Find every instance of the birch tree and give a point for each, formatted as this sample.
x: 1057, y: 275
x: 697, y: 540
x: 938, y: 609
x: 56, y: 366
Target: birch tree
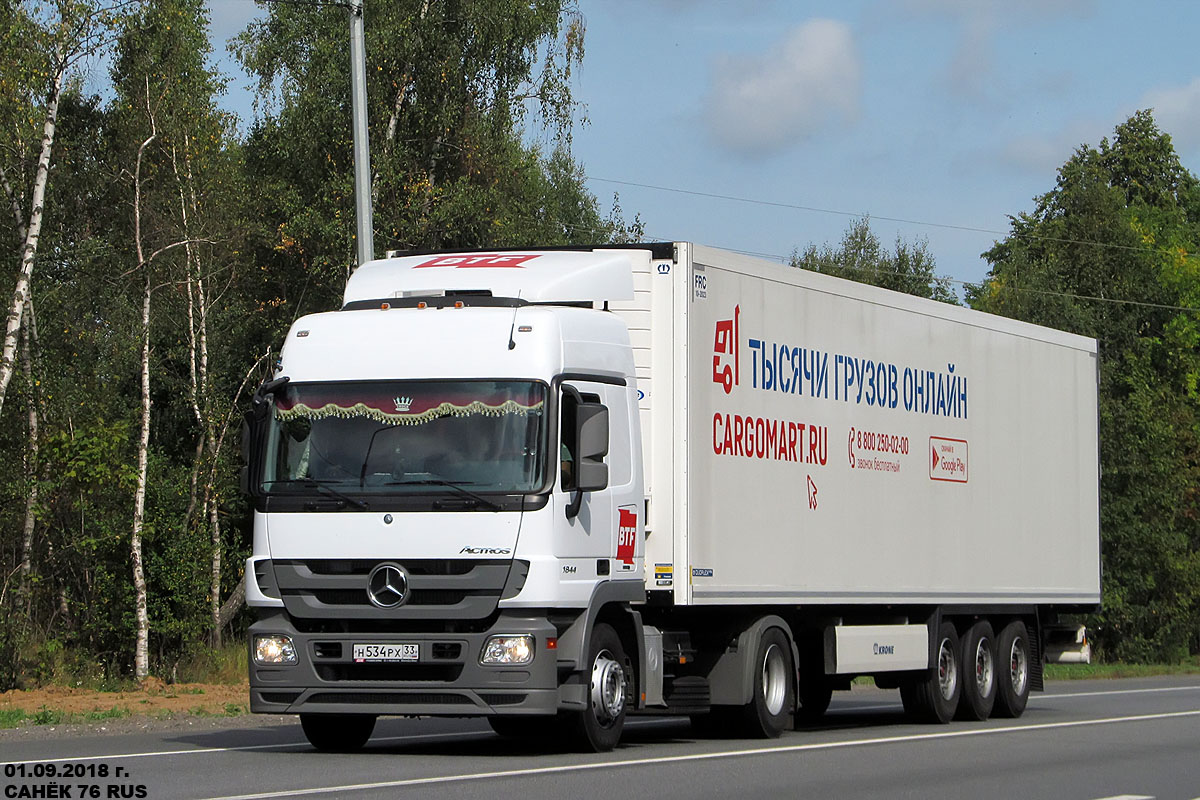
x: 45, y: 41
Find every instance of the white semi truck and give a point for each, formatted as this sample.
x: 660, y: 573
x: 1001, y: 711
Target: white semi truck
x: 558, y: 487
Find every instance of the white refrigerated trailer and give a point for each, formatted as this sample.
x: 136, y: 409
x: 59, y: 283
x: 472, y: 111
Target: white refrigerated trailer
x: 558, y: 487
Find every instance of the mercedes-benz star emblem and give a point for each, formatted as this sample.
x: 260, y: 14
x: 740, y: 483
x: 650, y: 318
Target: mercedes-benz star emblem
x: 387, y: 585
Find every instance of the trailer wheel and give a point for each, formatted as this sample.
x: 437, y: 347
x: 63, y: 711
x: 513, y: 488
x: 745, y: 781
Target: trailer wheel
x: 978, y: 669
x: 1012, y: 690
x: 774, y: 700
x: 598, y: 727
x: 933, y: 696
x: 337, y: 733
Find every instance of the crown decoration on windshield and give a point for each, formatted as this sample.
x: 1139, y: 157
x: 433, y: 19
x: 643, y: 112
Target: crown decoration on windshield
x: 328, y: 410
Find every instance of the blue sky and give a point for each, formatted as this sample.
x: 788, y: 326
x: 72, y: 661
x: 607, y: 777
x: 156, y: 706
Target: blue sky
x: 946, y: 115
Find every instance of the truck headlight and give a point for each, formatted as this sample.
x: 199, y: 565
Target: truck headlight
x: 507, y: 650
x: 274, y: 649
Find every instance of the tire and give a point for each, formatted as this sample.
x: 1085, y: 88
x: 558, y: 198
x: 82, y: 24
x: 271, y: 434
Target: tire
x: 770, y: 709
x: 815, y: 694
x: 597, y: 728
x: 933, y: 696
x: 528, y: 728
x: 337, y: 733
x: 1013, y: 670
x: 978, y: 672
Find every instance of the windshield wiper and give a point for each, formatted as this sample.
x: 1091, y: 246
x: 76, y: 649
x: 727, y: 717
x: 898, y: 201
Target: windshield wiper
x: 455, y: 485
x: 323, y: 486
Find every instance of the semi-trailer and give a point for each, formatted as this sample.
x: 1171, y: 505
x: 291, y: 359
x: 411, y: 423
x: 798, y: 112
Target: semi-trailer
x: 558, y: 487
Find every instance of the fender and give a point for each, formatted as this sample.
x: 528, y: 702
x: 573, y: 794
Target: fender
x: 573, y: 643
x: 731, y: 679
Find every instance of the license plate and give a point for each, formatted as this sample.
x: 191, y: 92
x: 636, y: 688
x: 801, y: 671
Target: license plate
x: 387, y: 652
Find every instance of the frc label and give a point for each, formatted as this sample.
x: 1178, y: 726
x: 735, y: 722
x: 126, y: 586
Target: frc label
x: 948, y: 459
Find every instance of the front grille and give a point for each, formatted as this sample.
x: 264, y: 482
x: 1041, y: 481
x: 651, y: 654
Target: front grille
x: 390, y: 698
x: 425, y: 566
x: 327, y: 649
x: 502, y: 699
x: 357, y: 597
x: 460, y: 589
x: 283, y: 698
x: 389, y: 672
x: 449, y: 650
x: 369, y: 626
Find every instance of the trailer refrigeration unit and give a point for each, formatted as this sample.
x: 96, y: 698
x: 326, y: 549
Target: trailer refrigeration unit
x: 554, y: 488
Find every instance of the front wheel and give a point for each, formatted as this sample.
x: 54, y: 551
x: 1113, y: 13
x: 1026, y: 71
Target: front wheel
x: 598, y: 727
x: 1012, y: 690
x: 337, y: 733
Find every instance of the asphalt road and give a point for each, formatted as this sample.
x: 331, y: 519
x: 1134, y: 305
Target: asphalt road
x: 1082, y: 740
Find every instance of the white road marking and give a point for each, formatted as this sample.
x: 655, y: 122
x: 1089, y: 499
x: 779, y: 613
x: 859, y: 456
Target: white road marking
x: 1058, y: 695
x: 757, y: 751
x: 436, y: 736
x: 1128, y: 797
x: 427, y: 737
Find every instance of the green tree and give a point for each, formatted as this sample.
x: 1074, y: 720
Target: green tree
x: 861, y: 257
x: 1111, y: 252
x: 451, y: 85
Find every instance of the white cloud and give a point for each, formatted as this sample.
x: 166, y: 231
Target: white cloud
x: 763, y: 104
x: 1177, y: 112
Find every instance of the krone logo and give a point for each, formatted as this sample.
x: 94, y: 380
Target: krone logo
x: 387, y: 585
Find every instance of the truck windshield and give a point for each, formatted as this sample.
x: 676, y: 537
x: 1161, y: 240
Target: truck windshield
x: 408, y: 437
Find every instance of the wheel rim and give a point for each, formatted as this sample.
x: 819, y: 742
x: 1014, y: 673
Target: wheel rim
x: 608, y: 688
x: 1018, y: 666
x: 774, y: 680
x: 947, y: 670
x: 985, y: 671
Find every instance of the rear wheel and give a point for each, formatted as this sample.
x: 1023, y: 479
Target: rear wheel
x: 978, y: 669
x: 933, y: 697
x: 337, y: 733
x: 1012, y: 689
x: 767, y: 714
x: 598, y: 727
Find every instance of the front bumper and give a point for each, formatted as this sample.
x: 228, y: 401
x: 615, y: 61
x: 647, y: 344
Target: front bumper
x: 447, y: 680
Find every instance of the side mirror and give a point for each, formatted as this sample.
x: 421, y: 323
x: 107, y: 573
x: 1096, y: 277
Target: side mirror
x: 591, y: 432
x: 254, y: 429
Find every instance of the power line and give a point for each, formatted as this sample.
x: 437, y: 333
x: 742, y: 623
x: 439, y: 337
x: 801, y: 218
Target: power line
x: 864, y: 214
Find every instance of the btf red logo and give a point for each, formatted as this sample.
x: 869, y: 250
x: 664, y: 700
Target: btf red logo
x: 480, y: 261
x: 626, y: 536
x: 726, y: 344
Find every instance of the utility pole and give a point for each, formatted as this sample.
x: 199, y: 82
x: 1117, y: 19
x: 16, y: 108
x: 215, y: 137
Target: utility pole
x: 362, y: 151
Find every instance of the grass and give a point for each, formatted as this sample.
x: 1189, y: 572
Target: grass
x: 1067, y: 672
x: 15, y: 717
x: 229, y: 665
